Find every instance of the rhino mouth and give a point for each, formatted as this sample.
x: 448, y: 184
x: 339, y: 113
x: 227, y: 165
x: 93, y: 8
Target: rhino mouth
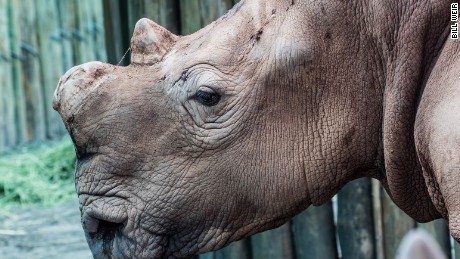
x: 104, y: 234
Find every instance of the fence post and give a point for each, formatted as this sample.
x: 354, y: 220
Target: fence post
x: 99, y: 35
x: 396, y: 225
x: 7, y: 99
x: 212, y: 9
x: 196, y: 14
x: 378, y: 219
x: 3, y: 71
x: 83, y: 49
x: 355, y: 222
x: 136, y: 11
x: 66, y: 27
x: 315, y: 226
x: 163, y: 12
x: 16, y: 60
x: 190, y: 16
x: 50, y: 61
x: 275, y: 243
x: 31, y: 72
x: 239, y: 249
x: 116, y: 31
x: 456, y: 249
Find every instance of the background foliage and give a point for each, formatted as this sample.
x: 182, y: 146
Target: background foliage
x: 37, y: 174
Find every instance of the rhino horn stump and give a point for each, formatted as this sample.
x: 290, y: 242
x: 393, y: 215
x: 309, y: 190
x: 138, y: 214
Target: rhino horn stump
x: 76, y: 85
x: 150, y: 42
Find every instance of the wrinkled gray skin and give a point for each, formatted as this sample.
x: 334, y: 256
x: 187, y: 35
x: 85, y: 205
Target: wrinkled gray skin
x: 313, y: 94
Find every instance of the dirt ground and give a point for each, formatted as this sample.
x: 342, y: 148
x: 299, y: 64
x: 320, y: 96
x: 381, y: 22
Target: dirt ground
x: 43, y: 233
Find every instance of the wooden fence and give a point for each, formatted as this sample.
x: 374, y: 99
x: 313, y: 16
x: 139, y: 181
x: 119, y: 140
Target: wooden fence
x: 41, y: 39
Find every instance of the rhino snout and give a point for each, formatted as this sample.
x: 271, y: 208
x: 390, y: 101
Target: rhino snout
x: 75, y: 86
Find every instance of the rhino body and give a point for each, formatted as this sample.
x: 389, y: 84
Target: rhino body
x: 212, y: 137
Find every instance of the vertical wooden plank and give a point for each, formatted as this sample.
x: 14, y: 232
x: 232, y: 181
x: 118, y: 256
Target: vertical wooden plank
x: 3, y: 99
x: 50, y: 61
x: 196, y: 14
x: 116, y: 30
x: 190, y: 16
x: 2, y: 112
x: 378, y: 219
x: 79, y: 35
x: 355, y: 225
x: 125, y: 35
x: 7, y: 99
x: 136, y: 11
x: 82, y: 33
x: 212, y: 9
x: 87, y: 28
x: 396, y: 225
x: 4, y: 58
x: 440, y: 232
x: 163, y: 12
x: 33, y: 90
x: 240, y: 249
x: 16, y: 60
x: 456, y: 249
x: 210, y: 255
x: 313, y: 233
x: 98, y: 30
x: 67, y: 26
x: 113, y: 37
x: 275, y: 243
x: 153, y: 10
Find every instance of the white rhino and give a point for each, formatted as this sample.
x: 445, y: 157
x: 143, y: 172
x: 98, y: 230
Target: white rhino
x: 209, y: 138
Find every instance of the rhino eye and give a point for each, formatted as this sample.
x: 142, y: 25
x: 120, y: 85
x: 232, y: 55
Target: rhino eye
x: 207, y: 97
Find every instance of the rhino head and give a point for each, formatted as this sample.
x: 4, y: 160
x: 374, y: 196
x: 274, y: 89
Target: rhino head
x: 209, y: 138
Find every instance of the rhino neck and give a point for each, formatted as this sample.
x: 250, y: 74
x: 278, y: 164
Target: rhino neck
x: 410, y: 46
x: 366, y: 121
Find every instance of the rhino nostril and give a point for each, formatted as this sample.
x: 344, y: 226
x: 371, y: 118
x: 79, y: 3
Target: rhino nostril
x: 102, y: 230
x: 108, y: 230
x: 101, y: 235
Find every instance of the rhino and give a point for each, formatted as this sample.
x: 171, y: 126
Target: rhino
x: 212, y: 137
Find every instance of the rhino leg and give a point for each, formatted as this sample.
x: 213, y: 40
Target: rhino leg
x: 437, y: 136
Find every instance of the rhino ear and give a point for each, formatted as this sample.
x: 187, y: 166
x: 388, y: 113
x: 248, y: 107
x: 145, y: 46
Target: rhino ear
x: 150, y: 42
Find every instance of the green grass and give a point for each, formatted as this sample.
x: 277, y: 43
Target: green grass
x: 39, y: 175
